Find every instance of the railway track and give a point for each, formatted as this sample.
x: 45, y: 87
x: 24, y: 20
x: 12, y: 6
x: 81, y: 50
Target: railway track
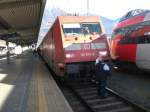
x: 87, y: 93
x: 75, y: 103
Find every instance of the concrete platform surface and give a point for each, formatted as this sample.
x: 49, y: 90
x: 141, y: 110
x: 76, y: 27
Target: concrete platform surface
x: 27, y: 86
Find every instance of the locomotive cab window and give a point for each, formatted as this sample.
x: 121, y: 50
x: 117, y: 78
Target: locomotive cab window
x: 91, y: 28
x: 81, y: 29
x: 71, y: 29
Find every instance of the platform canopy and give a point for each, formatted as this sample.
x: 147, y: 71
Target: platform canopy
x: 20, y: 20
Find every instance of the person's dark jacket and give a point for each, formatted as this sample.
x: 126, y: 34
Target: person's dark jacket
x: 101, y: 74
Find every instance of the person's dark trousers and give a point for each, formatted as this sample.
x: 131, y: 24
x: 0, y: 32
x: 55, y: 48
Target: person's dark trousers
x: 102, y: 88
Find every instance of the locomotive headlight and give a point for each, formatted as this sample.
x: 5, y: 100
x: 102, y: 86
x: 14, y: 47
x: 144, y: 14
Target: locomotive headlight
x: 69, y: 55
x: 61, y: 66
x: 103, y: 53
x: 147, y: 33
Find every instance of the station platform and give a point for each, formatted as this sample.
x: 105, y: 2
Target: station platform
x: 26, y: 85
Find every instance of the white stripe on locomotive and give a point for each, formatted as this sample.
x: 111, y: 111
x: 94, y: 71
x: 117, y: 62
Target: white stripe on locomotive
x: 77, y: 46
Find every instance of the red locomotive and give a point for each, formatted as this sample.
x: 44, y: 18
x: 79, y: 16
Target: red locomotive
x: 73, y: 43
x: 131, y: 39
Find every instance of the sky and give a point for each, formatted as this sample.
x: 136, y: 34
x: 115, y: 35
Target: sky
x: 112, y: 9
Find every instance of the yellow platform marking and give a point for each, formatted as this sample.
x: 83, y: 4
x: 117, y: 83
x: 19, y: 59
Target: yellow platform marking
x: 43, y: 107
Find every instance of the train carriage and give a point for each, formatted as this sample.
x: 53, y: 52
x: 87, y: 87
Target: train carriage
x: 131, y: 39
x: 72, y: 44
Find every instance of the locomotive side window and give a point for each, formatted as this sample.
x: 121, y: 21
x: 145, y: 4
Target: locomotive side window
x: 143, y: 40
x: 118, y: 32
x: 125, y: 40
x: 127, y: 32
x: 135, y: 40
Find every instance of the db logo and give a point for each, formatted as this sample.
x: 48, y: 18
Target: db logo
x: 86, y: 46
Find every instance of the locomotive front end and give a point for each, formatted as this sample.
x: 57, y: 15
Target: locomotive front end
x: 82, y: 43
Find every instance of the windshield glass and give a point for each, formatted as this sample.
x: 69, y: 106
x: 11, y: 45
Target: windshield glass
x: 70, y: 29
x: 91, y: 28
x: 81, y: 29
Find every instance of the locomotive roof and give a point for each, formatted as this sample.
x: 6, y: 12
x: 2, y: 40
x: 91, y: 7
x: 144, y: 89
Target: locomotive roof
x: 133, y: 17
x: 67, y: 19
x: 133, y: 13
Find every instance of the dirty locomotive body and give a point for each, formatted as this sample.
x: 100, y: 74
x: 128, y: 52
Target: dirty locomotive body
x: 72, y: 45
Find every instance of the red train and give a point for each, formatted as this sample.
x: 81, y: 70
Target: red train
x: 131, y: 39
x: 73, y: 43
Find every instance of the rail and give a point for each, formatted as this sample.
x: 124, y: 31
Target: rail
x: 87, y: 93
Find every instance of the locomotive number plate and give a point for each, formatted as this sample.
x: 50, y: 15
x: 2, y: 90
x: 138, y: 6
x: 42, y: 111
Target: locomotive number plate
x: 86, y: 46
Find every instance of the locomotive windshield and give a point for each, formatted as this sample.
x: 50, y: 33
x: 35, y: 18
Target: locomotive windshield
x: 82, y: 28
x: 70, y: 29
x: 91, y: 28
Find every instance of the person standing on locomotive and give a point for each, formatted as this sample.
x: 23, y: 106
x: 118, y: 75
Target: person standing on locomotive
x: 102, y: 73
